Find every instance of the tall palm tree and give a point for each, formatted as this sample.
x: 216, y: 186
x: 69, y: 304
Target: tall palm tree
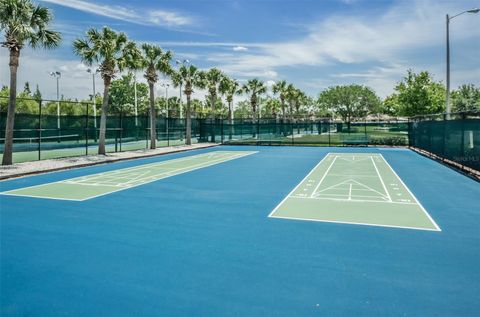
x: 211, y: 81
x: 189, y: 77
x: 292, y: 95
x: 114, y: 52
x: 153, y: 59
x: 22, y: 23
x: 229, y: 88
x: 272, y: 105
x: 254, y: 88
x: 280, y: 87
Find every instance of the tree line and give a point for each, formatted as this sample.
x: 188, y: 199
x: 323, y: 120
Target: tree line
x: 26, y: 24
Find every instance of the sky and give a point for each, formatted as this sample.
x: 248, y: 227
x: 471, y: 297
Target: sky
x: 313, y: 44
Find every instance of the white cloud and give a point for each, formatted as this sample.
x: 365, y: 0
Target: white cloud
x: 270, y: 83
x: 405, y: 34
x: 239, y: 49
x: 169, y: 18
x: 146, y: 17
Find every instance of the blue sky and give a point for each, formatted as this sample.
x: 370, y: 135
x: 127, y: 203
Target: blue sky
x: 312, y: 43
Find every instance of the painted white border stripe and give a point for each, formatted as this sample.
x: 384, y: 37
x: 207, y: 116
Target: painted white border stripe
x: 416, y: 200
x: 298, y: 185
x: 243, y: 154
x: 437, y: 228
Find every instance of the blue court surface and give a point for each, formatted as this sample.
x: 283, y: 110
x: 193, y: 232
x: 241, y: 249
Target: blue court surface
x: 199, y: 241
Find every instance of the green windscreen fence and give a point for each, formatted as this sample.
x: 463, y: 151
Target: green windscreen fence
x: 45, y: 135
x: 456, y: 138
x: 317, y: 132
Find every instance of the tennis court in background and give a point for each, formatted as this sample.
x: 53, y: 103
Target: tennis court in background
x: 189, y: 234
x: 355, y: 188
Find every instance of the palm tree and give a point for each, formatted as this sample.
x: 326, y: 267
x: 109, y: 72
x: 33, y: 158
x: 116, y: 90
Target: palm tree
x: 114, y: 52
x: 254, y: 88
x: 189, y: 77
x: 154, y: 60
x: 22, y: 24
x: 292, y: 95
x: 272, y: 105
x: 229, y: 88
x: 211, y: 81
x: 280, y: 87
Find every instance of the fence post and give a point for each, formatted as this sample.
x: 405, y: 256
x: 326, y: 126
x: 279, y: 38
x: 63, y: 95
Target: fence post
x: 39, y: 130
x: 365, y: 128
x: 146, y: 132
x: 86, y: 130
x: 121, y: 129
x: 222, y: 136
x: 292, y: 132
x: 329, y: 125
x: 463, y: 117
x: 444, y: 135
x: 168, y: 131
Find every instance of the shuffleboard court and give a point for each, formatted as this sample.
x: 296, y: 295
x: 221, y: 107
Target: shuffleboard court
x: 355, y: 188
x: 95, y: 185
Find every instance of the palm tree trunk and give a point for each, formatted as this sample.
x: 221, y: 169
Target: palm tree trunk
x: 103, y: 118
x: 153, y: 118
x: 188, y: 123
x: 8, y: 150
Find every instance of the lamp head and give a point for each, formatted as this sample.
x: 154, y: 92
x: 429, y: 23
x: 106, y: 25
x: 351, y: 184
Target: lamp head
x: 476, y: 10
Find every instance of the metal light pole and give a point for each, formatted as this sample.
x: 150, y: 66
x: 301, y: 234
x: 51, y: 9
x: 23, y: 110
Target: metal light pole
x: 94, y: 99
x: 449, y: 18
x: 165, y: 85
x: 57, y: 76
x: 184, y: 62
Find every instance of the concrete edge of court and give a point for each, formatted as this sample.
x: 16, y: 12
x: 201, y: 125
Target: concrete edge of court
x: 58, y: 164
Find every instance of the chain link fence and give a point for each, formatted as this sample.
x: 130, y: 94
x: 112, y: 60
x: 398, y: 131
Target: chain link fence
x: 64, y: 129
x: 455, y: 138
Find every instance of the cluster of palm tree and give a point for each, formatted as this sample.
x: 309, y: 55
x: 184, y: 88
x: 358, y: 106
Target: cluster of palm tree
x: 23, y: 23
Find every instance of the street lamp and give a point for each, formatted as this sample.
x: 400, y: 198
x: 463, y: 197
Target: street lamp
x: 93, y: 72
x: 184, y: 62
x: 449, y: 18
x: 57, y: 75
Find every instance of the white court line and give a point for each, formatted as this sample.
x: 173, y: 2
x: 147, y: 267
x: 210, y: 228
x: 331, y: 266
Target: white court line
x: 344, y: 182
x: 355, y: 200
x: 158, y: 176
x: 298, y: 185
x: 413, y: 196
x: 324, y: 175
x: 225, y: 160
x: 140, y: 167
x: 353, y: 223
x: 381, y: 179
x: 242, y: 154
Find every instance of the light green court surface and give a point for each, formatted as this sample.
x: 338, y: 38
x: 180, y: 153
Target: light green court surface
x: 91, y: 186
x: 355, y: 188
